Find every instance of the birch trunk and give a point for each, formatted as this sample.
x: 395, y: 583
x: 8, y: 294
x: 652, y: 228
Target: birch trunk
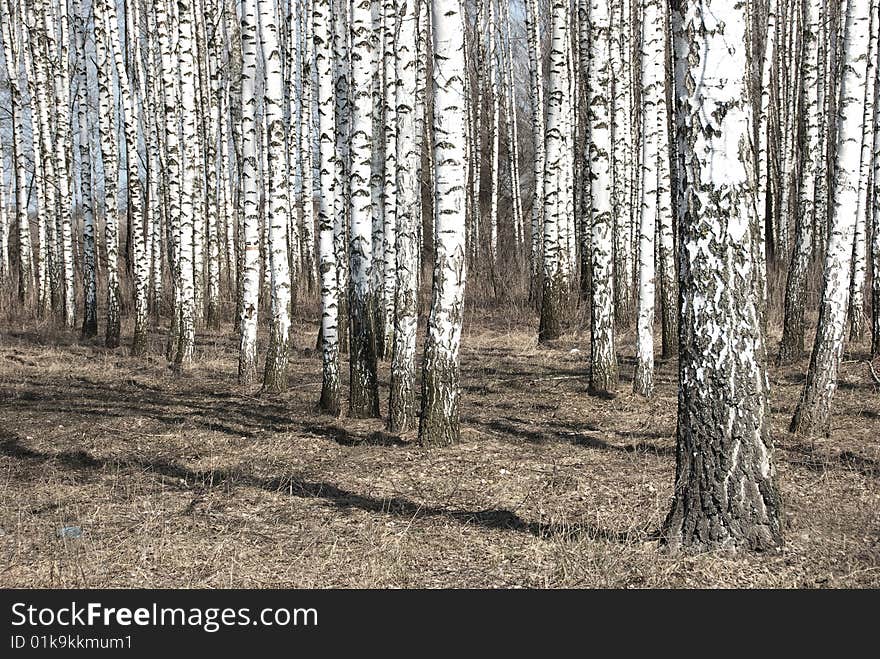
x: 725, y: 497
x: 110, y: 158
x: 10, y: 36
x: 130, y: 121
x: 402, y: 405
x: 275, y: 375
x: 536, y: 82
x: 791, y: 346
x: 860, y: 243
x: 250, y: 288
x: 603, y: 356
x: 324, y: 62
x: 555, y: 283
x: 364, y: 395
x: 653, y: 98
x: 439, y: 424
x: 813, y: 413
x: 90, y: 283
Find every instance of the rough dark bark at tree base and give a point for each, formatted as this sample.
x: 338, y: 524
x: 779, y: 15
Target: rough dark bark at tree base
x: 439, y: 425
x: 552, y: 305
x: 364, y: 391
x: 402, y: 405
x: 89, y: 326
x: 705, y: 516
x: 275, y: 375
x: 139, y: 341
x: 329, y: 401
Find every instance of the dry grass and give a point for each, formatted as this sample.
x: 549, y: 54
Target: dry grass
x: 189, y: 481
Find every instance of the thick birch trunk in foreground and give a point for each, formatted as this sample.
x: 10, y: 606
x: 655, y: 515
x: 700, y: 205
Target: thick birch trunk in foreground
x: 324, y: 62
x: 603, y: 356
x: 250, y: 195
x: 813, y: 413
x: 402, y: 405
x: 725, y: 497
x: 440, y: 380
x: 364, y: 395
x: 275, y: 374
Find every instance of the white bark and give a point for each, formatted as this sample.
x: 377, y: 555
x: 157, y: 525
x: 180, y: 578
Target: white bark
x: 324, y: 61
x: 603, y: 357
x: 536, y: 80
x: 813, y: 413
x: 364, y: 395
x: 110, y: 158
x: 408, y: 161
x: 250, y: 288
x: 859, y: 267
x: 440, y: 381
x: 556, y: 176
x: 275, y: 376
x: 725, y: 497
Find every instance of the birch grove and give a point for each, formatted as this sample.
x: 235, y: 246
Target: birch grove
x: 663, y: 193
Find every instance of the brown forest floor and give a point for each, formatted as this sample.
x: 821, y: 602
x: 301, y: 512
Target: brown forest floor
x: 189, y: 481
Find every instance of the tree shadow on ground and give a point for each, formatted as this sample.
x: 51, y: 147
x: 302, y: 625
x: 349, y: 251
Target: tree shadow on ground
x: 820, y: 462
x: 183, y: 478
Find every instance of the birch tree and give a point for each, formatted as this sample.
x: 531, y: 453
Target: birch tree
x: 860, y: 242
x: 110, y: 160
x: 725, y: 496
x: 364, y: 394
x: 653, y: 96
x: 792, y: 344
x: 555, y: 283
x: 250, y: 286
x: 275, y: 376
x: 603, y: 356
x: 324, y: 62
x: 439, y: 424
x: 10, y: 29
x: 90, y: 283
x: 402, y: 405
x: 813, y: 413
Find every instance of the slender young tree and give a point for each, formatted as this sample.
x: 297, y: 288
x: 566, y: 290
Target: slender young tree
x: 364, y: 394
x: 791, y: 346
x: 875, y: 244
x: 84, y: 113
x: 813, y: 413
x: 725, y: 496
x: 653, y: 96
x: 189, y: 202
x: 555, y: 282
x: 130, y: 121
x: 277, y: 357
x: 603, y: 356
x: 324, y: 62
x: 439, y: 425
x: 250, y: 278
x: 402, y: 405
x: 863, y: 214
x: 10, y: 30
x: 110, y: 159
